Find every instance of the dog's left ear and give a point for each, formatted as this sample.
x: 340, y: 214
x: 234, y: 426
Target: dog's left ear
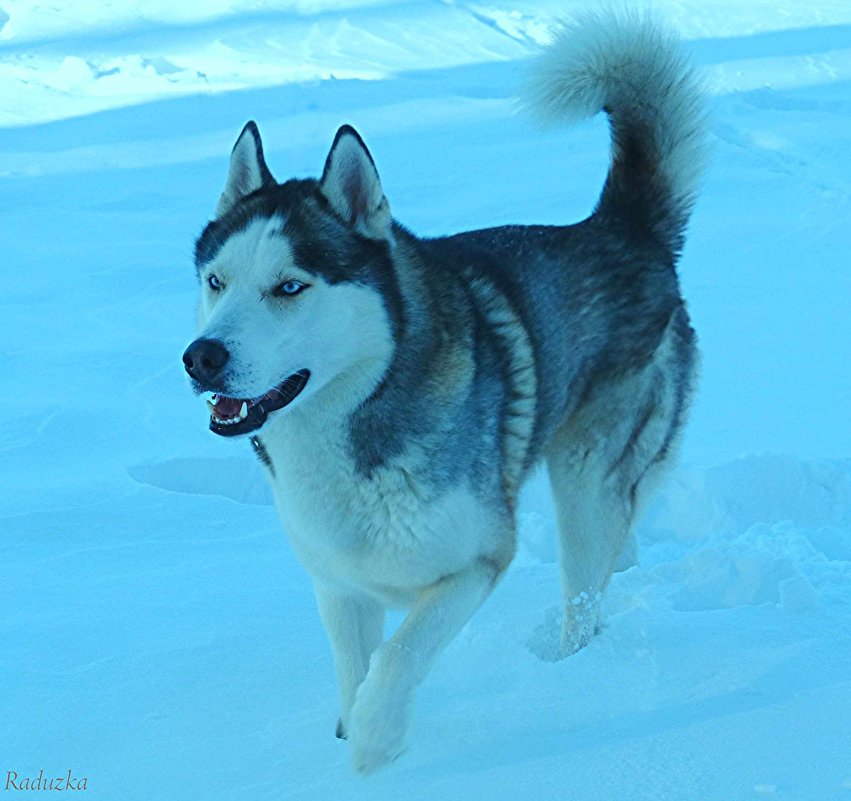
x: 350, y: 184
x: 248, y: 170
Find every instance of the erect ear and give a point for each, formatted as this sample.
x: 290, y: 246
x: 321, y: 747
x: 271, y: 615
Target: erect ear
x: 248, y: 170
x: 350, y: 184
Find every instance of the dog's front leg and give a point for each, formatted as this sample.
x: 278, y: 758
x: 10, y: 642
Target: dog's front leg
x: 355, y: 627
x: 379, y: 719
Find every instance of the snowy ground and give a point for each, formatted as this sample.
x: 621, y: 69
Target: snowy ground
x: 159, y: 637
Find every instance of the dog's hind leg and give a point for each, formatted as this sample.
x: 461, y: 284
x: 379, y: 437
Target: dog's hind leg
x: 593, y: 526
x: 355, y: 627
x: 604, y: 463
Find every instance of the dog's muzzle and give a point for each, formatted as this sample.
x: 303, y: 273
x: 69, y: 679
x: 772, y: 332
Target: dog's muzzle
x: 205, y: 361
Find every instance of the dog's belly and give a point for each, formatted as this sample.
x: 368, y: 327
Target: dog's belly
x: 384, y: 535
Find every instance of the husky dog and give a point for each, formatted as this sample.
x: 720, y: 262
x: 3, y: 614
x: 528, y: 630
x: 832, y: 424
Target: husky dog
x: 399, y: 390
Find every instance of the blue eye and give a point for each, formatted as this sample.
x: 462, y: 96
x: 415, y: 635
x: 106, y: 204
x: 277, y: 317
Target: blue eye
x: 214, y: 283
x: 289, y: 288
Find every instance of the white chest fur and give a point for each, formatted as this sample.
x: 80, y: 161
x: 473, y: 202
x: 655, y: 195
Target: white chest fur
x: 389, y: 534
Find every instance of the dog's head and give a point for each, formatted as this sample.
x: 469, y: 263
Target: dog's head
x: 298, y: 289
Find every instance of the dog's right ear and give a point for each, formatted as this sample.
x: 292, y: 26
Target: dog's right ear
x: 248, y: 170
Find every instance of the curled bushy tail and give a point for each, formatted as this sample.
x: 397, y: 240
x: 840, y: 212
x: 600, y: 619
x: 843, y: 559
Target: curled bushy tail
x: 624, y: 63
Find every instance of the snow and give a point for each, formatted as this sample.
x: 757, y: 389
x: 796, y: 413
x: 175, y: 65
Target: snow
x: 158, y: 635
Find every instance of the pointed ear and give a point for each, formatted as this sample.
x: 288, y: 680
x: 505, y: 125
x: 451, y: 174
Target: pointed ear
x: 350, y: 184
x: 248, y: 170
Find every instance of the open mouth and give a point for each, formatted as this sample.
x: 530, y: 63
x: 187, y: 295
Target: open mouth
x: 231, y: 417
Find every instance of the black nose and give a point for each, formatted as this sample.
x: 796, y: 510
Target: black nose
x: 205, y: 359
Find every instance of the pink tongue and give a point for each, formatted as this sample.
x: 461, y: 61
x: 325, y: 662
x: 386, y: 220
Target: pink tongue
x: 227, y: 407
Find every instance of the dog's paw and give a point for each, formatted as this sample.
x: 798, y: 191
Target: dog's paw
x: 581, y: 622
x: 372, y: 756
x: 376, y: 730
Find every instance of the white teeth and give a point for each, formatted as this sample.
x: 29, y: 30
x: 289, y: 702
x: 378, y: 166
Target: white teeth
x: 243, y: 413
x: 229, y: 422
